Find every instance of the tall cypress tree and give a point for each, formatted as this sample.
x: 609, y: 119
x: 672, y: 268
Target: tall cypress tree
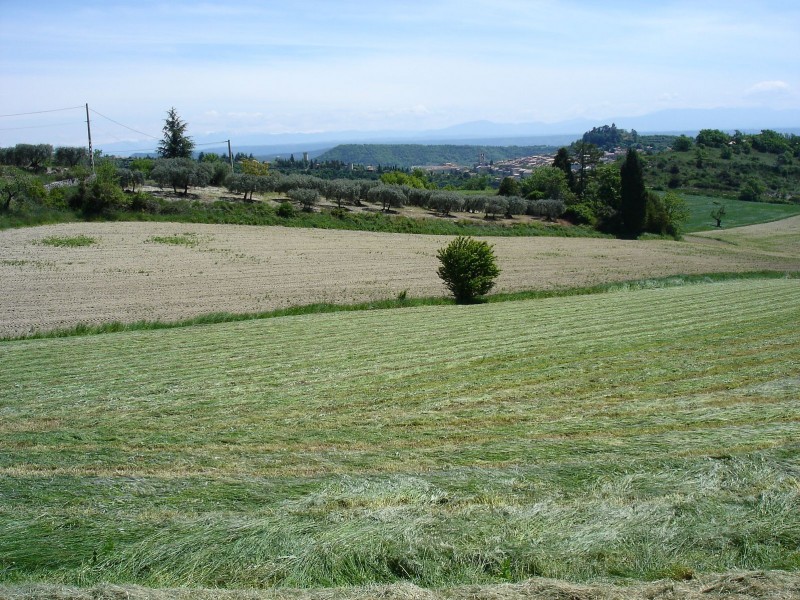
x: 564, y: 162
x: 633, y: 206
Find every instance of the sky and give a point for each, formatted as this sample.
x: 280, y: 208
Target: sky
x: 244, y: 67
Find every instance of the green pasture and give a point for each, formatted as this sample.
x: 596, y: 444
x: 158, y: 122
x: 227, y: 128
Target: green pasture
x: 738, y: 212
x: 634, y: 434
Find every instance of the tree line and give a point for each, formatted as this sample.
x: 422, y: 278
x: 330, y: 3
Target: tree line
x: 577, y: 186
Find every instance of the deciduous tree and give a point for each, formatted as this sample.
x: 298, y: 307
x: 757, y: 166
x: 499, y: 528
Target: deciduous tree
x: 546, y: 183
x: 717, y: 212
x: 587, y: 156
x: 508, y: 187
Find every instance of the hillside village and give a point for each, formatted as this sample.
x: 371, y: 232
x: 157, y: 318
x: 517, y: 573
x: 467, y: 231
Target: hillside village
x: 516, y: 167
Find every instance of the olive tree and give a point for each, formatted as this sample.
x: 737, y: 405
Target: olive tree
x: 70, y: 156
x: 247, y: 184
x: 387, y: 195
x: 445, y: 202
x: 341, y: 191
x: 130, y: 178
x: 495, y: 205
x: 18, y: 186
x: 364, y: 187
x: 307, y: 197
x: 181, y: 173
x: 516, y: 206
x: 290, y: 182
x: 418, y: 196
x: 474, y: 204
x: 32, y: 156
x: 549, y: 209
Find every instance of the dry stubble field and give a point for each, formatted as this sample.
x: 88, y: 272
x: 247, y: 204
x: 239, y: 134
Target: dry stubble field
x: 133, y: 273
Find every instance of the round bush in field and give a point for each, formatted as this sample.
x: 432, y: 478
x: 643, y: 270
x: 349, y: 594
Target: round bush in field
x: 468, y: 268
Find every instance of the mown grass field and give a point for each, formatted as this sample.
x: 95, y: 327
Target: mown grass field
x: 738, y: 213
x: 633, y: 435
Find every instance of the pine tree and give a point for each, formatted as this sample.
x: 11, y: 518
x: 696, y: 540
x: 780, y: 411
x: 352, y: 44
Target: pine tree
x: 633, y: 206
x: 176, y: 144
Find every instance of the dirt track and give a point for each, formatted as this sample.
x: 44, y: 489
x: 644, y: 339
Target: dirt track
x: 127, y: 276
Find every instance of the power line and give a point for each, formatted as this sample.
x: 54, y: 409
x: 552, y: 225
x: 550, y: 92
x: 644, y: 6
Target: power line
x: 122, y: 125
x: 148, y: 150
x: 39, y: 112
x: 37, y: 126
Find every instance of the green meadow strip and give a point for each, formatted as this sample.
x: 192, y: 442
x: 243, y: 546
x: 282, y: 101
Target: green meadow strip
x: 636, y: 435
x: 393, y: 303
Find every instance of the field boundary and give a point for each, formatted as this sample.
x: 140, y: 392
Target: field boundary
x: 213, y: 318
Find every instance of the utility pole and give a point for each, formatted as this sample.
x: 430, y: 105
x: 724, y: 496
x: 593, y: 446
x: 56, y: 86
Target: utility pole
x: 230, y: 155
x: 89, y: 130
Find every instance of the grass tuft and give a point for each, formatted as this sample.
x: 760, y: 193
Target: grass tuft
x: 76, y: 241
x: 189, y: 240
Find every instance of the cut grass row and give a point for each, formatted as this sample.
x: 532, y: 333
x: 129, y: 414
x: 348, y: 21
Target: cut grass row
x: 399, y: 302
x: 636, y: 434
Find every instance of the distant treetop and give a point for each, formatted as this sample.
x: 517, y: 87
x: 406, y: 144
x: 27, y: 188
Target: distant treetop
x: 609, y: 137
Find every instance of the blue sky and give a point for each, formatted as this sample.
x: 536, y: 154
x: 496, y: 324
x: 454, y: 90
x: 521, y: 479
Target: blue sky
x: 283, y: 67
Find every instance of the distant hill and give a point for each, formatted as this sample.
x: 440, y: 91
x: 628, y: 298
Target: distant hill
x: 410, y: 155
x: 487, y: 133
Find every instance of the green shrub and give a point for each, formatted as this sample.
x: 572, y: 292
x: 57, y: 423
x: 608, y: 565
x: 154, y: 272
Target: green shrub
x: 58, y: 197
x: 286, y: 210
x: 752, y: 191
x: 580, y: 214
x: 468, y: 268
x: 100, y: 193
x: 144, y: 202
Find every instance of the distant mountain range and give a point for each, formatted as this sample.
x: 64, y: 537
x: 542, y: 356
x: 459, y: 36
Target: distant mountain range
x: 675, y: 121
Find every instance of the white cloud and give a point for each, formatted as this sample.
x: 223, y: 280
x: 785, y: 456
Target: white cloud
x: 768, y: 87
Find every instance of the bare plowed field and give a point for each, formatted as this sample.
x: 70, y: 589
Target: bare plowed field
x: 166, y: 271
